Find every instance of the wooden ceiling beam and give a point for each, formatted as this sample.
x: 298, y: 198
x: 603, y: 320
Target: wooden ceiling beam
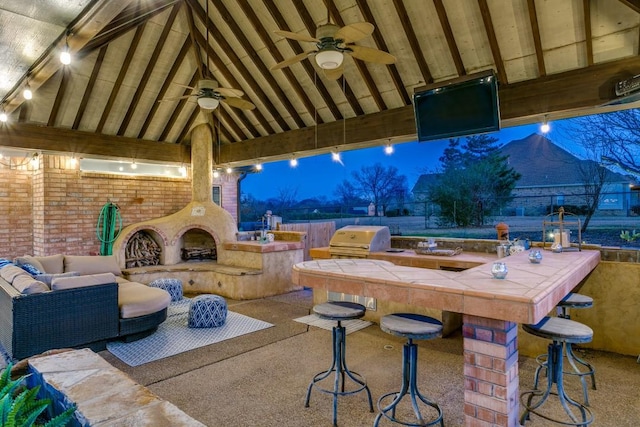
x: 213, y: 56
x: 90, y: 85
x: 179, y: 107
x: 64, y: 81
x: 382, y: 45
x: 537, y: 42
x: 258, y: 63
x: 151, y: 63
x: 186, y: 46
x: 586, y: 7
x: 568, y: 94
x: 632, y: 4
x: 448, y: 35
x: 413, y: 41
x: 273, y: 50
x: 493, y: 41
x: 39, y: 137
x: 306, y: 65
x: 360, y: 65
x: 219, y: 38
x: 89, y: 23
x: 121, y: 75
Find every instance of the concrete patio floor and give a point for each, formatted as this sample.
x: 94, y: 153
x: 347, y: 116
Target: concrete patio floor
x: 260, y: 379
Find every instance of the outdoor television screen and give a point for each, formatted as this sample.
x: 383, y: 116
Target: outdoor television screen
x: 463, y: 107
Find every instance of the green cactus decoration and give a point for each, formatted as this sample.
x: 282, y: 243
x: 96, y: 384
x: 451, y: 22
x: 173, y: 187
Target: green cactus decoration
x: 20, y: 406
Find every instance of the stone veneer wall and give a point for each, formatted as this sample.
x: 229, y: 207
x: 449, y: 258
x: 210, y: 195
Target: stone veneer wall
x: 55, y: 208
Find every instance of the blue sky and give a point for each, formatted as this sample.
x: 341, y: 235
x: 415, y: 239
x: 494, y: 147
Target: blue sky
x: 319, y: 175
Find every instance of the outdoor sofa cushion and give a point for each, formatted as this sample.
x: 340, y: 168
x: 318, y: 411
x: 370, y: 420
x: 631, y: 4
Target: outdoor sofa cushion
x: 89, y: 264
x: 48, y: 278
x: 52, y: 264
x: 21, y: 280
x: 60, y: 283
x: 136, y: 299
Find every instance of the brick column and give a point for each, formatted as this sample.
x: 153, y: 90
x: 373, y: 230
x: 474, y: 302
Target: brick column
x: 491, y: 391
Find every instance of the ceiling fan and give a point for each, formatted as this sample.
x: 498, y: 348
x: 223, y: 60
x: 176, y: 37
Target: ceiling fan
x: 209, y: 95
x: 332, y: 43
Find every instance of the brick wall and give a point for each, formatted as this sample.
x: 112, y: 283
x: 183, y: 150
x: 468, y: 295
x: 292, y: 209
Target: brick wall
x: 55, y: 209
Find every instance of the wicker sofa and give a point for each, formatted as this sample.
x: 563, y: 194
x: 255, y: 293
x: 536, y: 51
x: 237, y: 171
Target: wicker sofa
x: 79, y: 301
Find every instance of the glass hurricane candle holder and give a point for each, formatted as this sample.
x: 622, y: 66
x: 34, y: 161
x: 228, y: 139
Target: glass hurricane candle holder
x: 499, y: 270
x: 535, y: 256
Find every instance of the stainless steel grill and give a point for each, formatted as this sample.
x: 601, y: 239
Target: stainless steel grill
x: 358, y: 241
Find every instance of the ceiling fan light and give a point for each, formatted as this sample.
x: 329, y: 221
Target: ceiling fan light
x: 329, y: 59
x: 207, y: 103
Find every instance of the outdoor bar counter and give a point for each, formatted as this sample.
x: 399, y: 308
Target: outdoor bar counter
x: 491, y: 308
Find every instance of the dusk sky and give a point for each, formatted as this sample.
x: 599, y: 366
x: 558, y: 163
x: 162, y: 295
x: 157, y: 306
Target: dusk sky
x: 319, y: 175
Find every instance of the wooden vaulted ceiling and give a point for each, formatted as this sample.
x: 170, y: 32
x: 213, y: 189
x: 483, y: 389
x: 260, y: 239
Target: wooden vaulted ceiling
x: 552, y: 58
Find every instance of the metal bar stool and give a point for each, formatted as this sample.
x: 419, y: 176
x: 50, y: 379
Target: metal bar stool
x: 572, y: 300
x: 561, y: 331
x: 339, y: 311
x: 410, y: 326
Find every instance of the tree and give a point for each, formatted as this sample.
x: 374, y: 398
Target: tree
x: 379, y: 184
x: 475, y: 180
x: 347, y: 194
x: 614, y: 137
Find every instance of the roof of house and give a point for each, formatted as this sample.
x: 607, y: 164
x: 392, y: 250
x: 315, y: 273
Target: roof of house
x: 540, y: 162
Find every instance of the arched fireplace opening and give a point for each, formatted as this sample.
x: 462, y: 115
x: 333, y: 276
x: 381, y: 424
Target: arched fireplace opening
x: 198, y: 244
x: 142, y: 250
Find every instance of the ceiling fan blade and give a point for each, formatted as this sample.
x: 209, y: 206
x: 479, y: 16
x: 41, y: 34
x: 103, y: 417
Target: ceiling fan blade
x: 229, y: 92
x: 296, y: 36
x: 371, y: 55
x: 181, y: 85
x: 333, y: 74
x: 292, y: 60
x: 354, y: 32
x: 238, y: 103
x: 175, y: 98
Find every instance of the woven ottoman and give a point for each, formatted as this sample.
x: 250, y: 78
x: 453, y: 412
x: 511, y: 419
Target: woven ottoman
x: 173, y: 286
x: 207, y: 311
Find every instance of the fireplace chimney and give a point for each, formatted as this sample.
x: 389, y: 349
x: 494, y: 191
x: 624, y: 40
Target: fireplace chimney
x: 201, y: 164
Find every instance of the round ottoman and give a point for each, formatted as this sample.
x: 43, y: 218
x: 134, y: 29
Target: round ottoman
x: 207, y: 311
x: 173, y: 286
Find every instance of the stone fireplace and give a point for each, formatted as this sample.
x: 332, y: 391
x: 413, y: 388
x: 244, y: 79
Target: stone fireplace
x: 199, y: 243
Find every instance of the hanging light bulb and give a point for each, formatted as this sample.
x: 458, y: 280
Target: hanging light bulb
x: 388, y: 149
x: 229, y: 170
x: 544, y: 127
x: 134, y: 165
x: 216, y: 174
x: 182, y: 170
x: 35, y: 161
x: 293, y: 162
x: 258, y: 166
x: 27, y: 91
x: 3, y: 116
x: 73, y: 161
x: 335, y: 156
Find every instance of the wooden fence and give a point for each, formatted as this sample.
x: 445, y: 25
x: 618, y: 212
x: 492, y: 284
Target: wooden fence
x: 318, y: 234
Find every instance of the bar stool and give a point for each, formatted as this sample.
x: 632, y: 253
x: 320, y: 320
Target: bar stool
x: 418, y: 327
x: 339, y: 311
x: 575, y: 300
x: 560, y: 331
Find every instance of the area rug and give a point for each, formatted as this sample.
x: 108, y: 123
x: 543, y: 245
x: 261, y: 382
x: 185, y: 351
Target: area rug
x: 174, y: 337
x: 349, y: 325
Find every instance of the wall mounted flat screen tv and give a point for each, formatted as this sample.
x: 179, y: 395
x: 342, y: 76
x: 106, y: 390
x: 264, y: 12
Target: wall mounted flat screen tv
x: 464, y: 106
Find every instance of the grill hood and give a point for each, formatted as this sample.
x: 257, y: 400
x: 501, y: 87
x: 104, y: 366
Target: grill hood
x: 357, y: 241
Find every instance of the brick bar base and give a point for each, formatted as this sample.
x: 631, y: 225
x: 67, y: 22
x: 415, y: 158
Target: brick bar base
x: 491, y: 389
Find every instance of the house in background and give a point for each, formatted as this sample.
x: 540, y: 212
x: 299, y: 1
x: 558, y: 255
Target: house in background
x: 551, y: 177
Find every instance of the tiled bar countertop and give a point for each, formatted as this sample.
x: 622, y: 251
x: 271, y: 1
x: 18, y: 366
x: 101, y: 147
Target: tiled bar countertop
x: 492, y: 309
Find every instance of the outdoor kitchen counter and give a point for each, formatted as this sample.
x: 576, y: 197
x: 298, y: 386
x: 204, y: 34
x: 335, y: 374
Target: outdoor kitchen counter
x: 492, y: 309
x: 410, y: 258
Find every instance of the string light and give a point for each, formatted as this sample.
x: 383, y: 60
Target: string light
x: 229, y: 170
x: 27, y: 91
x: 335, y: 156
x: 258, y: 167
x: 293, y: 162
x: 388, y: 149
x: 544, y: 127
x: 3, y: 116
x: 216, y: 174
x: 65, y: 54
x: 73, y: 161
x: 134, y: 165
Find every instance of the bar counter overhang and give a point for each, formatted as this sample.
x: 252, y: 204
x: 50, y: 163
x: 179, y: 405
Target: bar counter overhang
x: 491, y: 308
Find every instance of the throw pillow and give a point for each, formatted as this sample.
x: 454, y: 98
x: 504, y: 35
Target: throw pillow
x: 30, y: 268
x: 28, y: 285
x: 53, y: 264
x: 4, y: 262
x: 10, y: 272
x: 48, y: 278
x: 27, y: 259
